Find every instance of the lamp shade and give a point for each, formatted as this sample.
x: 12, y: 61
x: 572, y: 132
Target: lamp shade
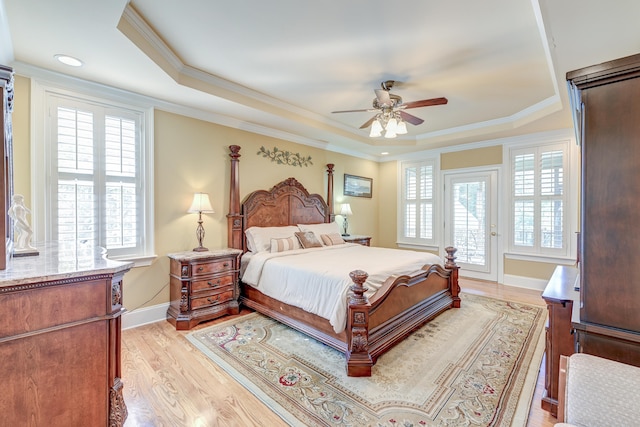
x: 201, y: 203
x: 345, y: 209
x: 376, y: 129
x: 401, y: 129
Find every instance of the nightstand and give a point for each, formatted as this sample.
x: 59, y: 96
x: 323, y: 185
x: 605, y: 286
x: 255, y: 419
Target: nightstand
x: 355, y: 238
x: 204, y: 286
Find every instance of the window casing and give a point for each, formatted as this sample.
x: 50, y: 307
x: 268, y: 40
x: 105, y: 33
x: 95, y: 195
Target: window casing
x: 417, y: 203
x: 97, y: 181
x: 539, y: 200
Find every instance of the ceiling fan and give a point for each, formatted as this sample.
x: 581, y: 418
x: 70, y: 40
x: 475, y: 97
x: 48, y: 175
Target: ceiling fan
x: 390, y: 115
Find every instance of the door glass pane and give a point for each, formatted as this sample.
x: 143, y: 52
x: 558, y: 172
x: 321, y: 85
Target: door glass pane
x: 470, y: 222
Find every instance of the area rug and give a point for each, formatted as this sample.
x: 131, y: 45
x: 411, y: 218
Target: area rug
x: 473, y: 366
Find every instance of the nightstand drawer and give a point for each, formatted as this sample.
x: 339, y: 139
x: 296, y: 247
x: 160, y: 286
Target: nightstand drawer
x: 217, y: 266
x: 211, y: 283
x: 210, y: 300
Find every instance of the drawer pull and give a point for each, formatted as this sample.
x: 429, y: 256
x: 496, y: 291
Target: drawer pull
x: 210, y: 283
x: 212, y: 300
x: 226, y: 264
x: 200, y: 269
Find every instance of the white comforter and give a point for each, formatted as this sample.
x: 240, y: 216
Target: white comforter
x: 317, y: 279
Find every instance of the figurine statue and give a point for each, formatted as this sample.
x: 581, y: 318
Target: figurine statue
x: 18, y: 213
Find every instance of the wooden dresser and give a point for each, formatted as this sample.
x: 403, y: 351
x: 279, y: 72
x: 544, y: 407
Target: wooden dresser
x: 204, y: 285
x: 607, y: 114
x: 560, y: 297
x: 60, y: 340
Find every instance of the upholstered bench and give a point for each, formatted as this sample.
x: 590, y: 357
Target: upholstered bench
x: 597, y: 392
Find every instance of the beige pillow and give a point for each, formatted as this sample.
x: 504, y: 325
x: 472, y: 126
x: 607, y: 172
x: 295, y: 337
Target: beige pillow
x: 332, y: 239
x: 320, y: 229
x: 308, y: 239
x: 285, y: 244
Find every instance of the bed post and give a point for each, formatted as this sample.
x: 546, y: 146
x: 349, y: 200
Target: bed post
x: 332, y: 216
x: 359, y: 360
x: 234, y: 218
x: 450, y: 264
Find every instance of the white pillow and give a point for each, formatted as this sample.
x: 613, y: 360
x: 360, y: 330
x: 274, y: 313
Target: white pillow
x: 259, y: 238
x: 320, y: 229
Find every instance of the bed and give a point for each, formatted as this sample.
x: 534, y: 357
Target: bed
x: 374, y: 309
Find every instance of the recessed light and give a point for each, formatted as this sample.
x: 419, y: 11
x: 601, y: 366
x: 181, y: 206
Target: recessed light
x: 69, y: 60
x: 384, y: 153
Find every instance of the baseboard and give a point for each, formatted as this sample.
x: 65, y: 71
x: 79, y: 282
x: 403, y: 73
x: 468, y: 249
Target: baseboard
x: 145, y: 315
x: 525, y: 282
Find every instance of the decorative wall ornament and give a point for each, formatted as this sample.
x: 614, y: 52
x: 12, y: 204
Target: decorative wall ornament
x: 285, y: 157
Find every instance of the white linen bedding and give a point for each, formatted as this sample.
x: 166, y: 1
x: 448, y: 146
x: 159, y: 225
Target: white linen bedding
x: 317, y: 279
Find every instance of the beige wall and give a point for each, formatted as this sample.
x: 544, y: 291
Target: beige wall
x: 192, y: 155
x: 471, y: 158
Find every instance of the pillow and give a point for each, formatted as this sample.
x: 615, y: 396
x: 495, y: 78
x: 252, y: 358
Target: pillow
x: 259, y: 238
x: 308, y: 239
x: 284, y: 244
x: 320, y: 229
x: 332, y: 239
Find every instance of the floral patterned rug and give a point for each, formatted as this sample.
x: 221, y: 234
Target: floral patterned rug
x: 473, y: 366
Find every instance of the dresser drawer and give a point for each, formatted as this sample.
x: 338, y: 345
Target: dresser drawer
x: 217, y: 266
x: 211, y: 283
x: 210, y: 300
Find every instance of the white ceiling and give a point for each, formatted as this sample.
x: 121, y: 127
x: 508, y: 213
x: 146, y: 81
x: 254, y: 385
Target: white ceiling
x: 281, y: 67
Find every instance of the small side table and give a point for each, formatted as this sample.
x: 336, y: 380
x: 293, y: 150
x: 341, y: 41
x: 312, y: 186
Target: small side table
x: 355, y: 238
x: 204, y: 286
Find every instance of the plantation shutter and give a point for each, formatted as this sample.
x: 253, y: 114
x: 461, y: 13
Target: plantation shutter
x: 97, y: 174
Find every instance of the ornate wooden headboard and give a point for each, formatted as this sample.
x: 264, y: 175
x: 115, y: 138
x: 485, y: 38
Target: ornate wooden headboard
x: 287, y: 203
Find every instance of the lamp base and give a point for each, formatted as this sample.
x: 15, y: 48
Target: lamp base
x: 346, y: 235
x: 200, y: 249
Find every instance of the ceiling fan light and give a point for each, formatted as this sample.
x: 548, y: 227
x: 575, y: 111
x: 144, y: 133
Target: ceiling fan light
x: 390, y: 133
x: 392, y: 125
x: 401, y: 129
x: 376, y: 129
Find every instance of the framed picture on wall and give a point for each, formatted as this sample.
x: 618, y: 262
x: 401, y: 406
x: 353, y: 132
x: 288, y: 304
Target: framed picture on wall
x: 357, y: 186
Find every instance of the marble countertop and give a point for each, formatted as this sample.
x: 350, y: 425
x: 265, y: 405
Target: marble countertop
x: 54, y: 262
x: 193, y: 255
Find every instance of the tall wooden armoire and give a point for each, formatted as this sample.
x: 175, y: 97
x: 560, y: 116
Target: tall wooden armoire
x: 606, y: 100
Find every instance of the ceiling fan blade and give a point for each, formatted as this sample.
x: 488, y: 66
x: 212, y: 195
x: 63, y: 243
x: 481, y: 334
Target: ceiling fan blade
x: 352, y: 111
x: 383, y: 97
x: 410, y: 118
x: 425, y: 103
x: 368, y: 122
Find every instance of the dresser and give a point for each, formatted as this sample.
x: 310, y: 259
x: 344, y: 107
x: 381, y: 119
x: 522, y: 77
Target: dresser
x: 204, y: 286
x: 355, y: 238
x: 606, y: 98
x: 60, y: 339
x: 561, y: 297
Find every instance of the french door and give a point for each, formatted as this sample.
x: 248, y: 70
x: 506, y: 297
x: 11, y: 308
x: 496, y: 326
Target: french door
x: 471, y: 222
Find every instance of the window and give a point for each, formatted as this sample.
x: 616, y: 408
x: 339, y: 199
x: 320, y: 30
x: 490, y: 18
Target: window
x: 539, y: 200
x: 97, y: 192
x: 417, y: 203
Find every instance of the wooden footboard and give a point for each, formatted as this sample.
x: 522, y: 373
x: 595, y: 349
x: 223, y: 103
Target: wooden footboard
x: 403, y: 304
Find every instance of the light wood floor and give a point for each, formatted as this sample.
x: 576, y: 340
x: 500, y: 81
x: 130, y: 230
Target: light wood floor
x: 169, y: 383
